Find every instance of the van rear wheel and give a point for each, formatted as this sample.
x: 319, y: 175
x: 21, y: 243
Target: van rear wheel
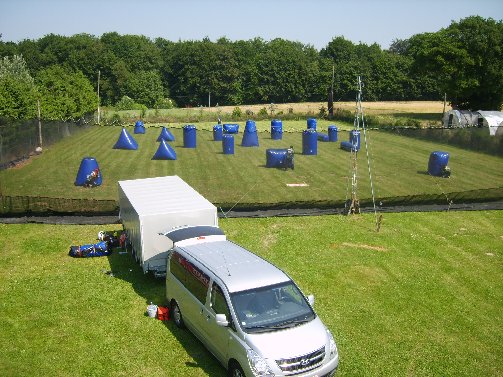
x: 177, y: 315
x: 235, y: 370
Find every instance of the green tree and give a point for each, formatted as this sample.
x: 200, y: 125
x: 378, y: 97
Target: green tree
x: 17, y: 89
x: 466, y: 60
x: 65, y: 93
x: 144, y: 87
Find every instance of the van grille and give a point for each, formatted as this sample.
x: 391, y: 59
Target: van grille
x: 303, y: 363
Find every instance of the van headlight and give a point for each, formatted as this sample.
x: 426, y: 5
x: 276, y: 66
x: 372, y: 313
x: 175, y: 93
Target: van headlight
x: 332, y: 345
x: 258, y: 364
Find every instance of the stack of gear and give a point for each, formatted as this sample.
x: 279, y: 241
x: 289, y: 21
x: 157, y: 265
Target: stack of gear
x: 99, y: 249
x: 108, y: 240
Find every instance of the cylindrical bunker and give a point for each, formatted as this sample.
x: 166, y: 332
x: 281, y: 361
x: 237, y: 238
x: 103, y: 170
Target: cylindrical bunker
x: 332, y: 133
x: 311, y: 123
x: 354, y: 138
x: 217, y: 132
x: 310, y: 142
x: 276, y: 129
x: 139, y: 127
x: 189, y: 136
x: 228, y: 143
x: 437, y: 163
x: 231, y: 128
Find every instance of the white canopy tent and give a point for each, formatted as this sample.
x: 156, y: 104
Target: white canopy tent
x: 493, y: 120
x: 460, y: 118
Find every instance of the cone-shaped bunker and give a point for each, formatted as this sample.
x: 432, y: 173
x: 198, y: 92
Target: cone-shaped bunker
x: 89, y: 174
x: 164, y: 152
x: 126, y: 141
x: 165, y: 135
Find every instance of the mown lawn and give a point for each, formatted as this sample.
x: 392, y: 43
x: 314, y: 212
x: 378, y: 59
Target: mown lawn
x: 398, y: 166
x: 423, y: 297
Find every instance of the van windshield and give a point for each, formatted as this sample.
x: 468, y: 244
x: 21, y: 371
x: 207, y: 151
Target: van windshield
x: 273, y: 307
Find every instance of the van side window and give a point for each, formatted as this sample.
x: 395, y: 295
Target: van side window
x: 218, y: 303
x: 192, y: 278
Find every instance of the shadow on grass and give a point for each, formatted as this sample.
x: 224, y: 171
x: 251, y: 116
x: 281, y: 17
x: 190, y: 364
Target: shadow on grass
x: 151, y: 289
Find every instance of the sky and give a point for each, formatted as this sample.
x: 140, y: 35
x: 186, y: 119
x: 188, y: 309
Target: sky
x: 312, y: 22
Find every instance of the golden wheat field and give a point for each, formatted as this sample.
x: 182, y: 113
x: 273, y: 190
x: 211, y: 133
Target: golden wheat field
x: 385, y: 107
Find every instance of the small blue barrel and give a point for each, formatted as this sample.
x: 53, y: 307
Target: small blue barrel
x: 139, y: 127
x: 311, y: 123
x: 89, y: 173
x: 354, y: 138
x: 189, y: 136
x: 228, y: 144
x: 276, y: 129
x: 250, y: 126
x: 310, y: 142
x: 217, y: 132
x: 332, y: 133
x: 231, y: 128
x: 437, y: 162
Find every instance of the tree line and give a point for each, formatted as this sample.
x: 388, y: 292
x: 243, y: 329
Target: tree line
x: 64, y: 73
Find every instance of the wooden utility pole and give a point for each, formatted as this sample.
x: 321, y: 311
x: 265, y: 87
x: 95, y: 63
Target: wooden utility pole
x: 39, y: 124
x: 99, y: 74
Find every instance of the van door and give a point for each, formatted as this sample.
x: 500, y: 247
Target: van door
x: 217, y: 337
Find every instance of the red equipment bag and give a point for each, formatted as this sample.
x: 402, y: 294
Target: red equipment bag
x: 163, y: 313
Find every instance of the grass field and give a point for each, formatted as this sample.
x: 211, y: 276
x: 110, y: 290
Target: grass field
x: 399, y: 168
x: 423, y: 297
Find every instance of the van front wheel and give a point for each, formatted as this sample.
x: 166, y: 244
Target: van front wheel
x: 235, y: 370
x: 177, y: 315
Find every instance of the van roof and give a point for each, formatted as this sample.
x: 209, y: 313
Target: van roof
x: 238, y: 268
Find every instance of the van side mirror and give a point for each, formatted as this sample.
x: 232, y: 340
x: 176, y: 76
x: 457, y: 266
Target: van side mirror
x: 221, y: 320
x: 310, y: 299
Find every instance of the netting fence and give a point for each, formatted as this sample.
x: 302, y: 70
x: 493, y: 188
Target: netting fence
x: 19, y: 139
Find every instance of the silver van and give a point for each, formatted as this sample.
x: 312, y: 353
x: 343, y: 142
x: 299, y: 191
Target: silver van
x: 249, y: 314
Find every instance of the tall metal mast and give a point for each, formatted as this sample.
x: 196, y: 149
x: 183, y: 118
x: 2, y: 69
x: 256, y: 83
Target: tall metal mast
x: 354, y: 203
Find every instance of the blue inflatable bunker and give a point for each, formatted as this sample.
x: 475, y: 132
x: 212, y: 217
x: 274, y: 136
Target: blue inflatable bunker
x: 322, y: 137
x: 332, y: 133
x: 279, y: 158
x: 165, y: 135
x: 126, y: 141
x: 250, y: 136
x: 310, y: 142
x: 231, y: 128
x: 164, y: 152
x: 353, y: 143
x: 228, y: 144
x: 89, y: 174
x: 217, y: 132
x: 139, y: 127
x: 311, y: 123
x: 276, y: 129
x: 437, y: 164
x: 189, y: 136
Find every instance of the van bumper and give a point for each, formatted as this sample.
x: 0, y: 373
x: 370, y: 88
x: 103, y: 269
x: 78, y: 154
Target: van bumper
x: 326, y: 370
